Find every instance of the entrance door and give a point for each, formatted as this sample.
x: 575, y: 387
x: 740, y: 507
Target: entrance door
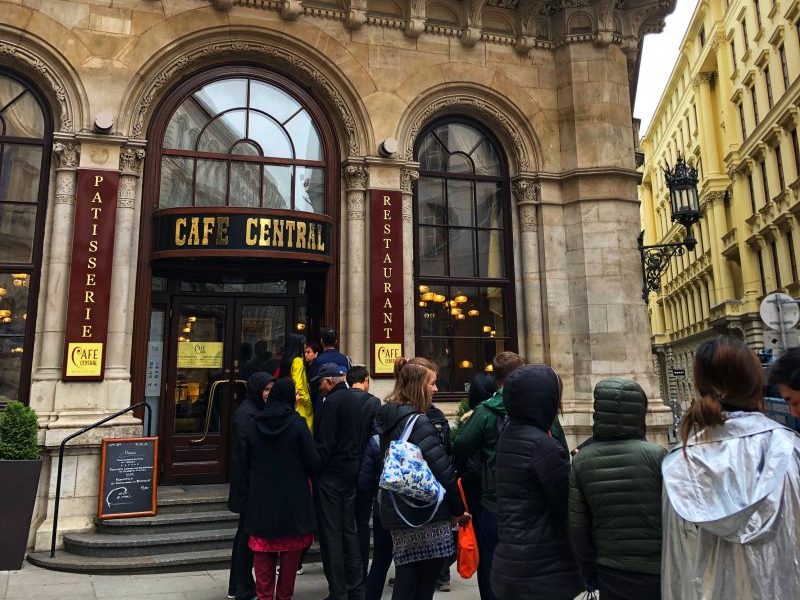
x: 217, y: 342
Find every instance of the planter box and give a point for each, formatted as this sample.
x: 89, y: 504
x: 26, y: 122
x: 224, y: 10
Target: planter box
x: 20, y: 479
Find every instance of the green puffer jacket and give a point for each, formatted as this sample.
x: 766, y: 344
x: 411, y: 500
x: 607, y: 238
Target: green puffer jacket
x: 615, y: 486
x: 479, y: 434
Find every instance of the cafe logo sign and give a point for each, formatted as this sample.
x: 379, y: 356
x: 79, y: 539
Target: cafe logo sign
x: 90, y: 275
x: 386, y: 280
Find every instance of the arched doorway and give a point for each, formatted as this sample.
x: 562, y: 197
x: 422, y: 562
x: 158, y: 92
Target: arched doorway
x: 238, y: 249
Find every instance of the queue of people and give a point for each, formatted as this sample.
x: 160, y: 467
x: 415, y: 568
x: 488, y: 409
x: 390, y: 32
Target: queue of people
x: 716, y: 517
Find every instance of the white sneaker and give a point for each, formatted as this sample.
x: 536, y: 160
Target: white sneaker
x: 301, y: 570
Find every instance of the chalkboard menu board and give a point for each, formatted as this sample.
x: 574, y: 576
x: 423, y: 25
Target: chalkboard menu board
x: 128, y: 478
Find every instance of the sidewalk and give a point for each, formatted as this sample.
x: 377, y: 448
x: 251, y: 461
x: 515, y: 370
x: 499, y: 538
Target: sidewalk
x: 34, y: 583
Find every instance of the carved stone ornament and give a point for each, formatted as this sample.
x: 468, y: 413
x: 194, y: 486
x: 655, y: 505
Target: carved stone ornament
x: 67, y: 154
x: 223, y: 5
x: 355, y: 205
x: 527, y: 217
x: 48, y: 74
x: 355, y: 177
x: 126, y: 196
x: 407, y: 179
x: 701, y: 78
x: 491, y: 112
x: 526, y: 190
x: 177, y: 67
x: 130, y: 160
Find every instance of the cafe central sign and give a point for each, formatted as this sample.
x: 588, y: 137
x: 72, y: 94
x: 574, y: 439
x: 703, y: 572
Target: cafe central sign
x: 90, y: 275
x: 386, y: 280
x: 238, y: 232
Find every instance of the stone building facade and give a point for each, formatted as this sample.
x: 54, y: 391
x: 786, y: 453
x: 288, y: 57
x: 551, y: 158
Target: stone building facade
x: 248, y: 139
x: 730, y: 108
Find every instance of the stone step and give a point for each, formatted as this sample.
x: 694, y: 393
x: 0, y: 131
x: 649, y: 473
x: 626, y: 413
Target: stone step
x: 183, y: 499
x: 169, y: 523
x: 143, y: 544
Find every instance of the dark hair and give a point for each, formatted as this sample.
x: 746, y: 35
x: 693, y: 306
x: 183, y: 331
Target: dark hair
x: 786, y: 369
x: 295, y: 347
x: 315, y: 346
x: 728, y: 376
x: 328, y: 336
x: 283, y: 391
x: 357, y: 374
x: 506, y: 363
x: 481, y: 388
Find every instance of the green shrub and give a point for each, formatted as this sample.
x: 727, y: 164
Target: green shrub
x: 463, y: 408
x: 18, y: 429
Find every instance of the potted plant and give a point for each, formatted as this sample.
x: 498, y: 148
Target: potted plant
x: 19, y: 473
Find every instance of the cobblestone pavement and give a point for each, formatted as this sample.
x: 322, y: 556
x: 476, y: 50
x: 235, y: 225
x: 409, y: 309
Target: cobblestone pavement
x: 34, y: 583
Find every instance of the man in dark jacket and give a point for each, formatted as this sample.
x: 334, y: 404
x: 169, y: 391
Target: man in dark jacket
x: 615, y: 497
x: 329, y: 352
x: 533, y: 559
x: 340, y: 443
x: 240, y: 582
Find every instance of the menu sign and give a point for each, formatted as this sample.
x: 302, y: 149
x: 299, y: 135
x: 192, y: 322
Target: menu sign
x: 90, y: 275
x: 128, y: 478
x: 386, y: 280
x: 200, y: 355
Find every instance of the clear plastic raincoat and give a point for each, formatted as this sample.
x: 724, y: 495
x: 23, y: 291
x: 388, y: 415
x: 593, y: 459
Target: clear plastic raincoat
x: 732, y: 513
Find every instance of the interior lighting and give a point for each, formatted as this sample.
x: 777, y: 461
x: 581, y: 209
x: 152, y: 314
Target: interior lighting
x: 300, y: 327
x: 439, y: 298
x: 424, y: 289
x: 487, y: 328
x: 461, y: 298
x: 465, y: 364
x: 473, y: 312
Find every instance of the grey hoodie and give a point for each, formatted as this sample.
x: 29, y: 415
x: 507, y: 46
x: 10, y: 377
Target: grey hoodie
x: 732, y: 513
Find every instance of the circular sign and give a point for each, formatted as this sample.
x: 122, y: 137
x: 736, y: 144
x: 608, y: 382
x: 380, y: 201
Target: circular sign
x: 779, y: 307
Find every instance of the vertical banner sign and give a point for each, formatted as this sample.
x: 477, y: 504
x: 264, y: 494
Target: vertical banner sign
x: 90, y: 275
x: 386, y: 280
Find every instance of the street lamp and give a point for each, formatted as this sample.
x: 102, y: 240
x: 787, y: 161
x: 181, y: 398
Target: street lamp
x: 682, y: 184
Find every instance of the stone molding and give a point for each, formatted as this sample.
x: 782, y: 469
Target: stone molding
x: 489, y: 111
x: 177, y: 67
x: 66, y: 156
x: 407, y: 178
x: 527, y: 193
x: 130, y: 160
x: 356, y: 180
x: 30, y: 60
x: 703, y: 77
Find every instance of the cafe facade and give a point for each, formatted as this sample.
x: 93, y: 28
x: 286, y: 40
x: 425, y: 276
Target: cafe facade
x: 184, y: 184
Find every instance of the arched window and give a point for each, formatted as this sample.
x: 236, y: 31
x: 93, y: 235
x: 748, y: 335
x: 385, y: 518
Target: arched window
x: 242, y: 142
x: 463, y: 261
x: 25, y: 132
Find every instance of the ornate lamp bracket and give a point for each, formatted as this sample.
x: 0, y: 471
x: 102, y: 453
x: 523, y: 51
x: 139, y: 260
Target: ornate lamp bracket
x: 655, y: 260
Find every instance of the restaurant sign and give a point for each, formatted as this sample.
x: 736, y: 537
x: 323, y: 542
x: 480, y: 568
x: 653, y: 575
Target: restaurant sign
x: 386, y: 280
x: 90, y: 275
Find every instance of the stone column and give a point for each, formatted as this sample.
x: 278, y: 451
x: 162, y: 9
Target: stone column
x: 408, y: 175
x: 119, y: 338
x: 708, y: 145
x: 527, y: 193
x: 354, y: 338
x: 49, y: 346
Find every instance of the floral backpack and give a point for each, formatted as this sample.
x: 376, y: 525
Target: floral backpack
x: 408, y: 476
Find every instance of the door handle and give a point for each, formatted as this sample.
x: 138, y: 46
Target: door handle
x: 211, y: 396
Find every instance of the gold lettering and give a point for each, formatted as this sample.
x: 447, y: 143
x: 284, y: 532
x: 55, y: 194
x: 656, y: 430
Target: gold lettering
x: 320, y: 241
x: 388, y: 303
x: 97, y: 180
x: 387, y: 272
x: 251, y: 239
x: 387, y: 229
x: 92, y: 245
x: 90, y: 279
x: 180, y: 235
x: 87, y: 331
x: 387, y: 318
x: 97, y: 199
x: 88, y: 313
x: 263, y: 238
x: 387, y: 287
x: 387, y: 201
x: 208, y: 228
x: 94, y: 228
x: 387, y: 215
x: 312, y: 236
x: 222, y: 230
x: 194, y: 232
x: 301, y: 235
x: 388, y: 331
x: 277, y: 233
x: 387, y: 259
x: 92, y: 262
x: 88, y: 296
x: 96, y: 210
x: 386, y: 242
x: 290, y: 225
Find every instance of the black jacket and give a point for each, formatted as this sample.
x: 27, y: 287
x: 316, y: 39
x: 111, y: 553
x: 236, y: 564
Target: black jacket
x: 369, y: 406
x: 340, y: 439
x: 251, y: 406
x: 280, y: 458
x: 533, y: 559
x: 391, y: 420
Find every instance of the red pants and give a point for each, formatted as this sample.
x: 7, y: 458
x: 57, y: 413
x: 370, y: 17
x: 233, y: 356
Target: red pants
x: 265, y: 563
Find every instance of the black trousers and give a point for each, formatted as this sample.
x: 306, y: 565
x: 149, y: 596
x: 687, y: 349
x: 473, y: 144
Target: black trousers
x: 615, y: 584
x: 382, y: 548
x: 417, y: 580
x: 240, y: 581
x: 338, y: 539
x: 363, y: 513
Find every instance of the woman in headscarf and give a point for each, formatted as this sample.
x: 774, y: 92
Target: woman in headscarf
x: 280, y: 458
x: 293, y: 366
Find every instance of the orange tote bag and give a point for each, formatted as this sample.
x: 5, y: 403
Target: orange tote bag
x: 467, y: 552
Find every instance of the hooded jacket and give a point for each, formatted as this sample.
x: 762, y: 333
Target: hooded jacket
x: 279, y: 458
x: 533, y: 558
x: 615, y: 486
x: 251, y: 406
x: 390, y: 421
x: 732, y: 513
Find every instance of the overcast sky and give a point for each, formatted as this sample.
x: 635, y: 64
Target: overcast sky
x: 658, y: 58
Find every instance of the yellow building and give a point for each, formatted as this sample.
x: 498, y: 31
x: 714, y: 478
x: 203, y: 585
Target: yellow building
x: 730, y: 108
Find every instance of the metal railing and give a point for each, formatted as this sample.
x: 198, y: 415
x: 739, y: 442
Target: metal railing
x: 61, y: 459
